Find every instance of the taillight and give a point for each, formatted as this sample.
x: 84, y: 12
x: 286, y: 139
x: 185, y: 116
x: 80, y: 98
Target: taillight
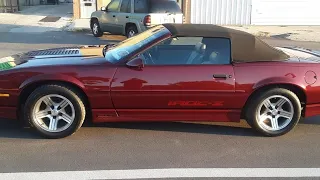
x: 147, y: 20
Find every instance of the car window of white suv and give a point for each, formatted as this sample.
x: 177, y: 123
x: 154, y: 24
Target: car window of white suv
x: 125, y: 6
x: 140, y: 6
x: 113, y: 6
x: 164, y: 6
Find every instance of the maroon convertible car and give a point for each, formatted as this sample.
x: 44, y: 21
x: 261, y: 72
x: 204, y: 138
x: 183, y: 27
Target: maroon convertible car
x: 171, y: 72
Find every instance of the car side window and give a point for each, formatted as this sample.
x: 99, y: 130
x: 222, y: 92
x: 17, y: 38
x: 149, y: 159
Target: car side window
x: 113, y: 6
x: 125, y: 6
x: 189, y: 51
x: 140, y: 6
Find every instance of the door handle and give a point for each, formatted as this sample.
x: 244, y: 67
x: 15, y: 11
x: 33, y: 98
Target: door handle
x: 127, y: 16
x: 114, y: 16
x: 222, y: 76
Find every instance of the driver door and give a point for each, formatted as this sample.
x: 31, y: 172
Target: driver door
x: 170, y: 88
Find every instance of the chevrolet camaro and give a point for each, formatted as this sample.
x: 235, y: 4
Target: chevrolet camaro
x: 171, y: 72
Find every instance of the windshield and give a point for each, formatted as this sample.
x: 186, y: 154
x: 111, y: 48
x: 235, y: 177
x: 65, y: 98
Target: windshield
x: 131, y: 45
x: 163, y: 6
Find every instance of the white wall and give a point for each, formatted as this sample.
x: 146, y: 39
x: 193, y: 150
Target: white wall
x: 285, y: 12
x: 221, y: 12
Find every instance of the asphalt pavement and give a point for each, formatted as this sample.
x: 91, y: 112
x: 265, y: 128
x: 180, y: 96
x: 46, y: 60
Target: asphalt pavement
x: 128, y: 146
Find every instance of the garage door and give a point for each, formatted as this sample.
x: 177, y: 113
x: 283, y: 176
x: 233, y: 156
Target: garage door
x: 221, y: 12
x: 285, y: 12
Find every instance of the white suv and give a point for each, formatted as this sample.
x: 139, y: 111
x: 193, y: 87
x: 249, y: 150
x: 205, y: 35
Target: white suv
x: 129, y: 17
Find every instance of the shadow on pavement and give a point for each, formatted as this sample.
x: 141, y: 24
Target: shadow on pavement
x: 50, y: 37
x: 186, y: 127
x: 13, y: 129
x: 315, y: 120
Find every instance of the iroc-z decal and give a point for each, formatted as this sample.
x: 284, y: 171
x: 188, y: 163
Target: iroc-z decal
x: 196, y: 103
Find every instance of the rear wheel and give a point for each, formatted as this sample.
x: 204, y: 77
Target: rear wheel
x: 55, y: 111
x: 274, y: 112
x: 95, y: 28
x: 131, y: 31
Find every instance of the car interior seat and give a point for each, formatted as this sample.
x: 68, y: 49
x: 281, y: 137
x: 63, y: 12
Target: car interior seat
x: 197, y: 54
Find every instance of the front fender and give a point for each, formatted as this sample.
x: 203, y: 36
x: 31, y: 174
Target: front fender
x: 51, y: 77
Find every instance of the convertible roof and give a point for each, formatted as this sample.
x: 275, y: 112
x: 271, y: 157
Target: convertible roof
x: 245, y: 47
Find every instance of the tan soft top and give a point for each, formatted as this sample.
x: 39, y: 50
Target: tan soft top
x: 245, y: 47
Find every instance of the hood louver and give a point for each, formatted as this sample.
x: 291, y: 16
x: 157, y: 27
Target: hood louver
x: 55, y: 52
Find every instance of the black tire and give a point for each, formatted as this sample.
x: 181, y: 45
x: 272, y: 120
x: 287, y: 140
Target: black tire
x: 252, y: 112
x: 131, y: 28
x: 99, y: 32
x: 72, y: 95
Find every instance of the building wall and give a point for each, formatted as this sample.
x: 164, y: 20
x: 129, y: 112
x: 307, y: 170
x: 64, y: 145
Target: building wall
x: 77, y: 10
x: 286, y: 12
x: 186, y: 5
x: 8, y: 6
x: 255, y: 12
x: 221, y: 12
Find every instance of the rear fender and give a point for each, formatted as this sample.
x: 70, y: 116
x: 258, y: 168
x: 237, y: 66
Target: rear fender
x: 278, y: 80
x: 135, y: 22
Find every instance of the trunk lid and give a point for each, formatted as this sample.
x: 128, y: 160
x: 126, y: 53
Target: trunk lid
x: 302, y: 54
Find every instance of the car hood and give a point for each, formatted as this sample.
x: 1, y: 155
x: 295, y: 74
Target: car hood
x: 301, y: 54
x: 58, y: 56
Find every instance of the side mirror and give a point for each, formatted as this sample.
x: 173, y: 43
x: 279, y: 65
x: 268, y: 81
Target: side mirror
x: 136, y: 63
x: 103, y: 8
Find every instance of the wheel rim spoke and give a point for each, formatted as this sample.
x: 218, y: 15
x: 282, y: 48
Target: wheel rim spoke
x: 43, y: 114
x: 66, y: 118
x: 274, y: 123
x: 285, y: 114
x: 63, y: 104
x: 53, y: 125
x: 280, y: 103
x: 264, y: 117
x: 48, y: 101
x: 267, y: 104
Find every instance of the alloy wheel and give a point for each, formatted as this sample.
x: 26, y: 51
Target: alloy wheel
x: 53, y: 113
x: 131, y: 33
x: 95, y: 28
x: 275, y: 113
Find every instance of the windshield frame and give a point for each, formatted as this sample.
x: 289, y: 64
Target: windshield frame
x: 137, y: 50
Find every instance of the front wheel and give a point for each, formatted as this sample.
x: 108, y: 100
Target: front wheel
x: 274, y: 112
x: 55, y: 111
x: 95, y: 28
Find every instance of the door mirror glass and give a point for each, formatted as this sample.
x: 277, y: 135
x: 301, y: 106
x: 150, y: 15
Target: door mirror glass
x: 103, y: 8
x: 136, y: 63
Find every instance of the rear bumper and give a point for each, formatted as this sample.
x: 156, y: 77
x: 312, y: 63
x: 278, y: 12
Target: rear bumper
x: 312, y: 110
